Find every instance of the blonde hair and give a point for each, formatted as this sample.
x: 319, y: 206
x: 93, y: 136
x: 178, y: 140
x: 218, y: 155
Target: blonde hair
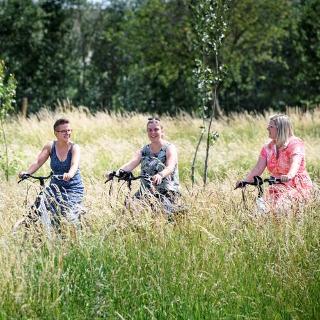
x: 284, y: 128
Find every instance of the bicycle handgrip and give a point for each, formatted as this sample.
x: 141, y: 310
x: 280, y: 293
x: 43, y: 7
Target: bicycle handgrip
x: 24, y: 177
x: 241, y: 185
x: 257, y: 181
x: 111, y: 176
x: 58, y: 176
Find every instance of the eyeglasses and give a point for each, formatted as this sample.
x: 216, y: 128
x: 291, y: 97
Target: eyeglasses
x: 64, y: 131
x: 154, y: 119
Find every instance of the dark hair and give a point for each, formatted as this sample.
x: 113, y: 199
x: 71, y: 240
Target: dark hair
x: 60, y: 122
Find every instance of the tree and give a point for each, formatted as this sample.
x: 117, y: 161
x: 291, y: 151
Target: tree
x: 301, y: 51
x: 157, y: 47
x: 210, y: 28
x: 253, y: 54
x: 21, y: 34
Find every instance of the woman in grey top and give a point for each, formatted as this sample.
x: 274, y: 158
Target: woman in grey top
x: 159, y: 160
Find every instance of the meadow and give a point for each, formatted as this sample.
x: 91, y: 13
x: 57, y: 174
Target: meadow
x: 216, y: 261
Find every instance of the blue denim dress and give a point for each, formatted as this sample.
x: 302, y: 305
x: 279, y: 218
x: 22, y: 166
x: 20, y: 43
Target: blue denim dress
x: 67, y: 193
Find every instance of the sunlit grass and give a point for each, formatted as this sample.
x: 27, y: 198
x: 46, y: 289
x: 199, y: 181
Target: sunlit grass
x: 215, y: 262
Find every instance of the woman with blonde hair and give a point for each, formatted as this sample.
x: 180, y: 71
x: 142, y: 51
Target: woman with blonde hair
x: 284, y: 157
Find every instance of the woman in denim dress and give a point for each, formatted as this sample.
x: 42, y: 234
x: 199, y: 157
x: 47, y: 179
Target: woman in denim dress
x: 67, y: 190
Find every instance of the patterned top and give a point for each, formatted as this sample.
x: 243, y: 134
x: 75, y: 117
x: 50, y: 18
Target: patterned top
x: 152, y: 163
x: 73, y: 189
x: 280, y: 164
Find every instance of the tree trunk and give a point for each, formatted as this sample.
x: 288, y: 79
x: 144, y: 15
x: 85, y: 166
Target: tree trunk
x: 24, y: 107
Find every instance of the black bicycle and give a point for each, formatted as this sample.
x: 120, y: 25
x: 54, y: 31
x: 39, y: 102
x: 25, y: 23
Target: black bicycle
x: 258, y: 182
x: 149, y: 195
x: 128, y: 177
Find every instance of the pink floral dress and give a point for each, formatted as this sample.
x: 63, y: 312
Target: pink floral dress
x: 299, y: 187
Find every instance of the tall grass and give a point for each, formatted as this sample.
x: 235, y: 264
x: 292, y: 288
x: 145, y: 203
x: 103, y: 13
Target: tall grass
x: 215, y: 262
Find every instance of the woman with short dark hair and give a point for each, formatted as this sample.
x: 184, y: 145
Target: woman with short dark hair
x: 64, y: 161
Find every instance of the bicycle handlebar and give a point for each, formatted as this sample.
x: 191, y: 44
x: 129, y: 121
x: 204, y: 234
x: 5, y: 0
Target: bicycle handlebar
x: 40, y: 178
x: 127, y: 177
x: 258, y: 181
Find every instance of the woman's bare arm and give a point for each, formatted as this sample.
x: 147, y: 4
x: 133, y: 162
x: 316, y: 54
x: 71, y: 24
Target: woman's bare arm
x: 257, y: 169
x: 40, y: 160
x: 75, y: 162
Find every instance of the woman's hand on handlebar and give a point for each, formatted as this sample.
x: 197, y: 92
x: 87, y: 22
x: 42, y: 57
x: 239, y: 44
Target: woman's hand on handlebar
x: 157, y: 179
x: 285, y: 178
x: 22, y: 174
x: 67, y: 176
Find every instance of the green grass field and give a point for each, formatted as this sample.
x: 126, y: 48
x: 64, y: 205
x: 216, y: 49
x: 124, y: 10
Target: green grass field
x: 214, y: 262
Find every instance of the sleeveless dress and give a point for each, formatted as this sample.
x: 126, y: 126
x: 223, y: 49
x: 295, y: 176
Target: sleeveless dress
x: 300, y: 186
x: 67, y: 193
x: 151, y: 164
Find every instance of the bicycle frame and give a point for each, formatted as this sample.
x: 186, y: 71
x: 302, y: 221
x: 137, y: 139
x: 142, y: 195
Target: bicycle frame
x: 41, y: 208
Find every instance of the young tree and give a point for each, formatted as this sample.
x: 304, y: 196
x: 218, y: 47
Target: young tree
x: 210, y: 28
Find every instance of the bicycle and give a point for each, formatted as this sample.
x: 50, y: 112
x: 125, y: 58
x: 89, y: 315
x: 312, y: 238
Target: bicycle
x: 258, y: 182
x: 126, y: 177
x: 150, y: 196
x: 48, y: 207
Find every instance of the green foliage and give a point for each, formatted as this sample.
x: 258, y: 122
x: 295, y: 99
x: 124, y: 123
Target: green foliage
x: 139, y: 55
x: 157, y: 74
x: 302, y: 55
x: 7, y: 92
x: 210, y: 24
x: 20, y: 39
x: 252, y: 52
x: 9, y: 168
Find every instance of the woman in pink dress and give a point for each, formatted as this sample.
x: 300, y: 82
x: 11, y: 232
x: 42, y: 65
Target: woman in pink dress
x: 284, y: 157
